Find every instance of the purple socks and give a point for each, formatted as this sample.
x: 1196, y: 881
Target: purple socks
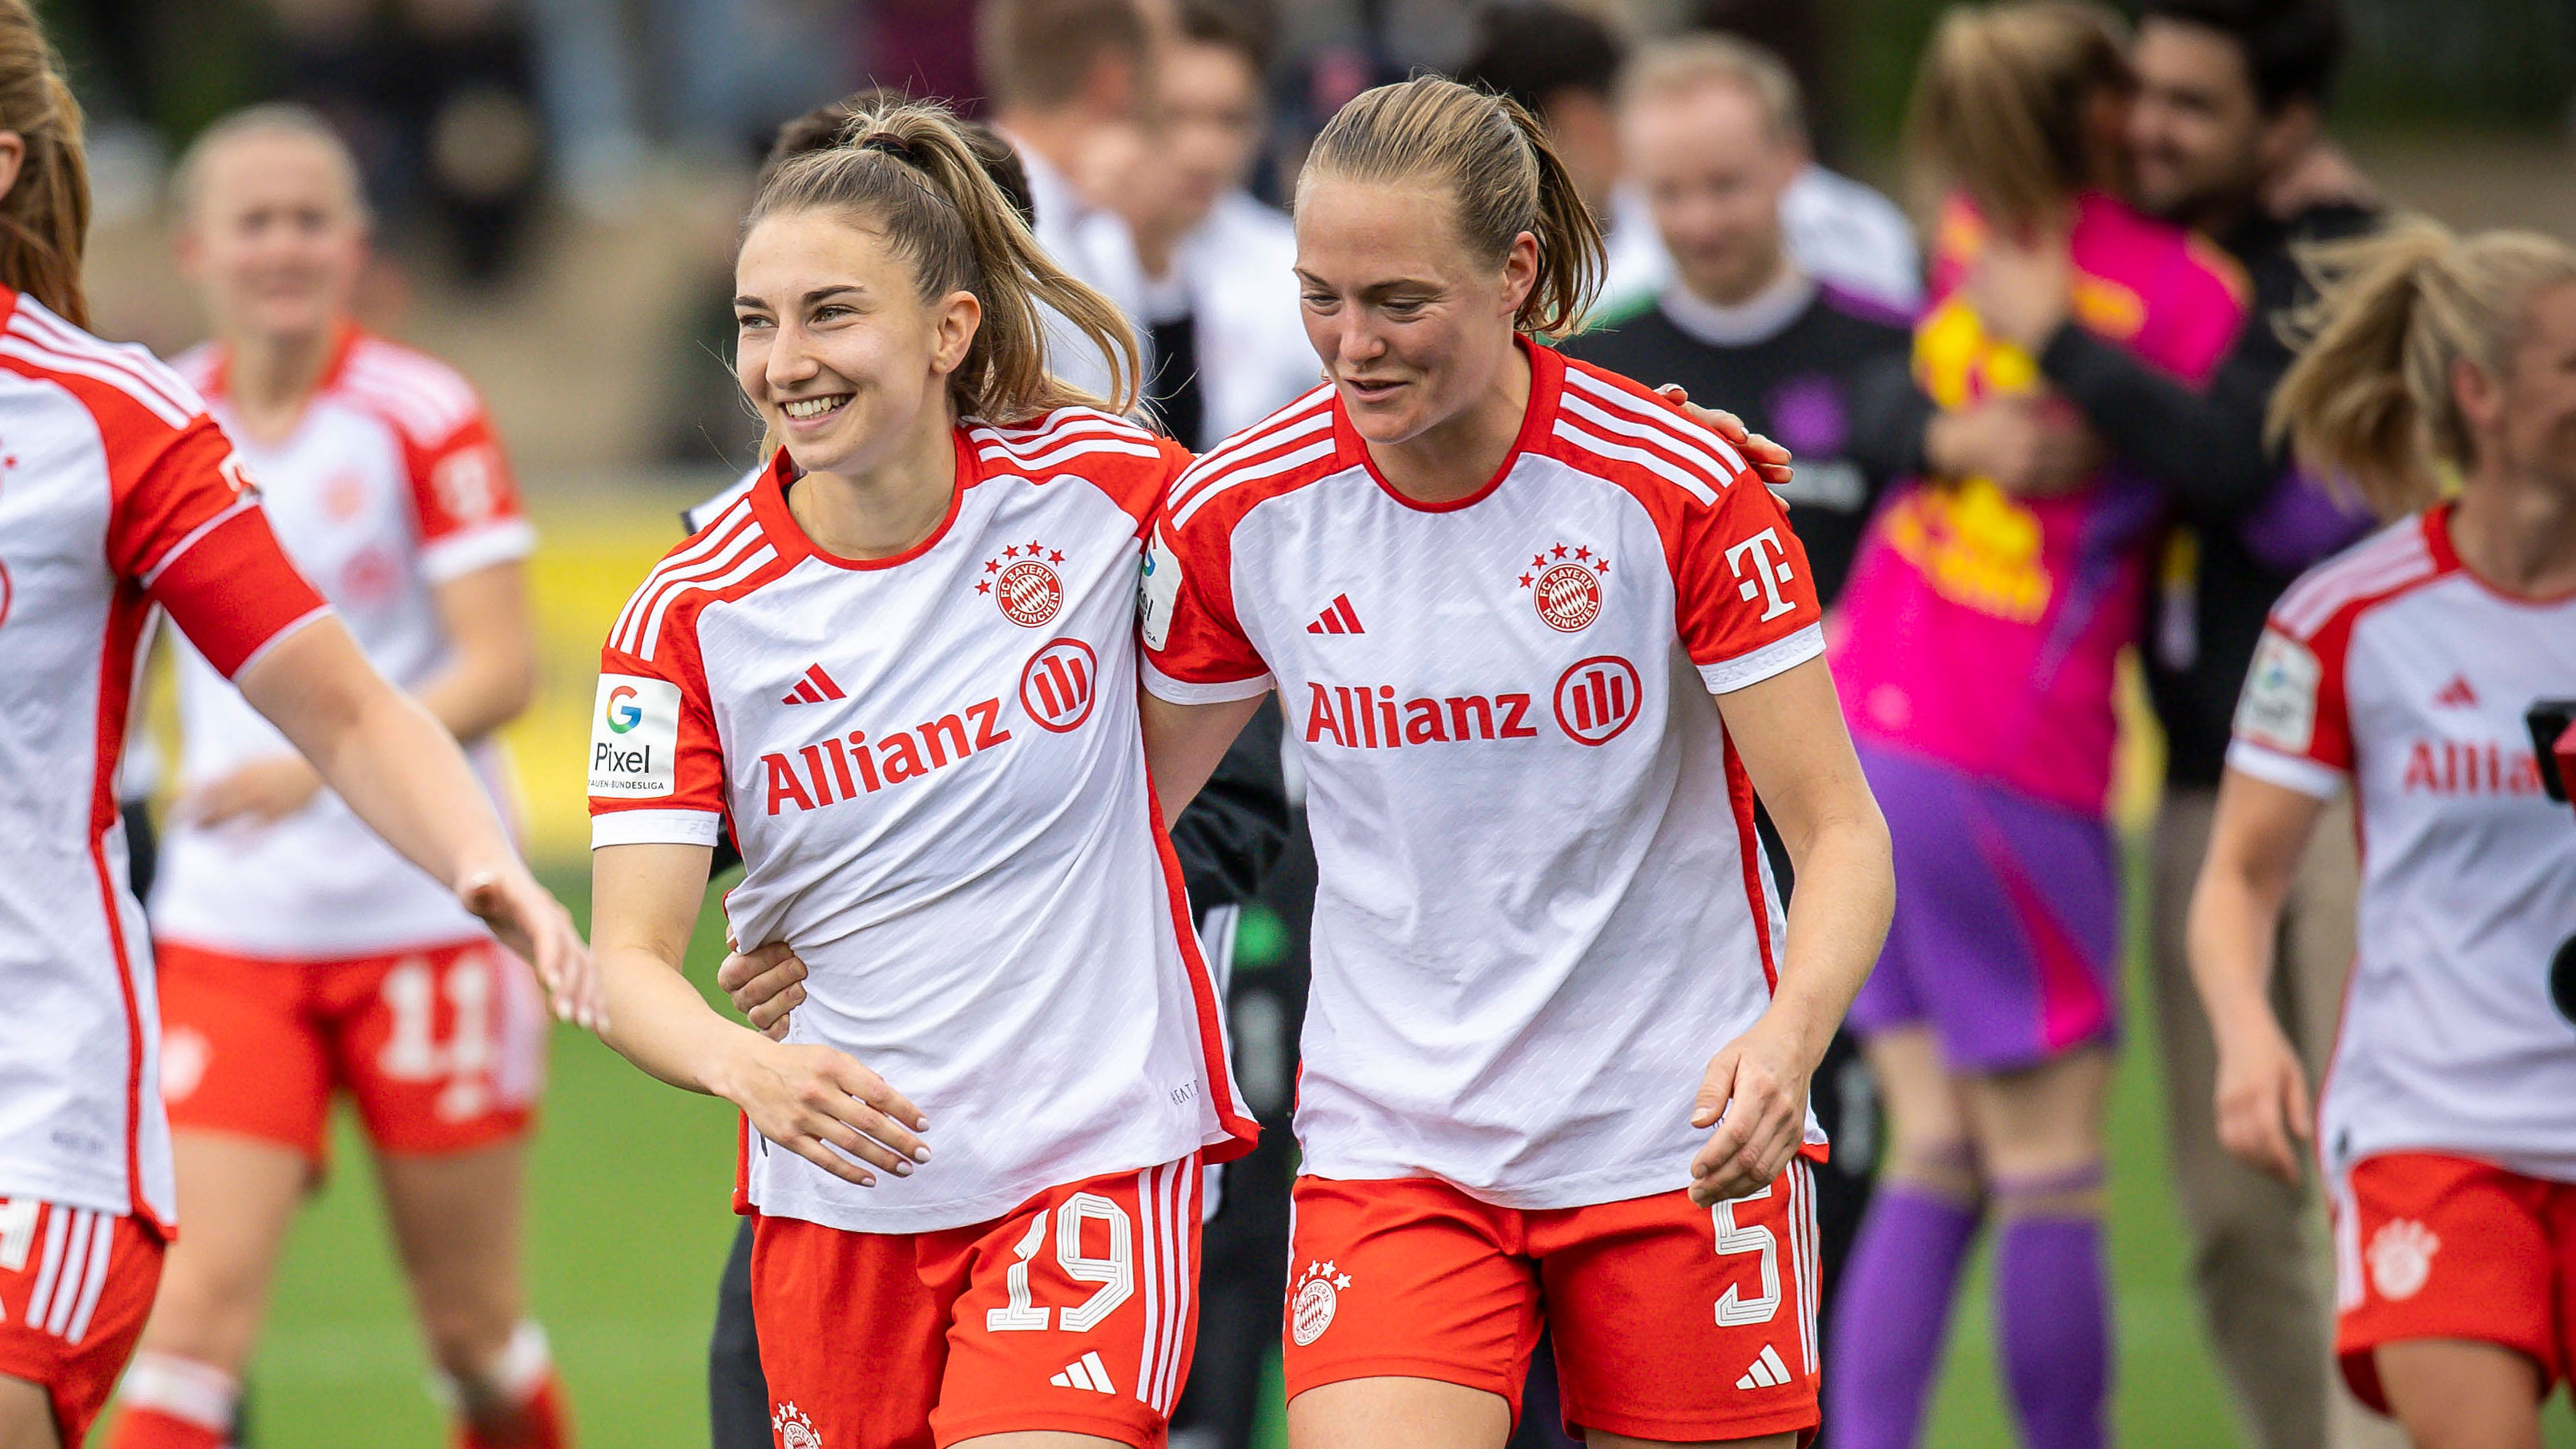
x: 1891, y: 1312
x: 2053, y: 1317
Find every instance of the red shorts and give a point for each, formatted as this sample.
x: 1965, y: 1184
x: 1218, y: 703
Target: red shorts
x: 2428, y: 1246
x: 1075, y: 1312
x: 1670, y: 1321
x: 75, y: 1286
x: 443, y: 1049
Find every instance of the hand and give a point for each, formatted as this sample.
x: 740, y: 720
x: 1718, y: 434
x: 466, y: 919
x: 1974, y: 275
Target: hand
x: 2019, y: 288
x: 2324, y: 176
x: 2030, y: 447
x: 263, y: 790
x: 819, y: 1104
x: 1755, y: 1095
x: 532, y: 923
x: 2262, y: 1098
x: 765, y: 983
x: 1768, y: 459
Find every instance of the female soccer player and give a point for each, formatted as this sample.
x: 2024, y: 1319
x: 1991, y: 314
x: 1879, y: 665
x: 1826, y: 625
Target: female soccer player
x: 2401, y: 670
x: 118, y: 493
x: 902, y: 668
x: 1541, y: 643
x: 1977, y: 668
x: 298, y: 953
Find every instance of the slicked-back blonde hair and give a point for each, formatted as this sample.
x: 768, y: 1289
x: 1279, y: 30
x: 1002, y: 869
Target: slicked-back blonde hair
x: 44, y: 220
x: 906, y: 171
x: 1493, y: 161
x: 2002, y: 106
x: 2370, y: 399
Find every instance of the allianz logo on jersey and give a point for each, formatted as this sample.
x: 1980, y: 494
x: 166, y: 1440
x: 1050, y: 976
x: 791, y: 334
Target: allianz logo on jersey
x: 2470, y: 767
x: 1058, y: 686
x: 1595, y: 701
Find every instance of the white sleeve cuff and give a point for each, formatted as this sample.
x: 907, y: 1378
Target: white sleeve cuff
x: 654, y: 827
x: 1181, y: 691
x: 1726, y: 676
x: 2290, y: 772
x: 460, y: 554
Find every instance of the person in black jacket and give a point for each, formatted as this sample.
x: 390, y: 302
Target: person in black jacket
x: 2227, y: 137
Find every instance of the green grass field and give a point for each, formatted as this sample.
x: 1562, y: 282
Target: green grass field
x: 631, y: 1223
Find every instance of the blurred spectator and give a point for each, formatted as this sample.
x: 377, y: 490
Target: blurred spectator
x: 1066, y: 83
x: 1563, y: 65
x: 1217, y: 276
x: 2228, y: 137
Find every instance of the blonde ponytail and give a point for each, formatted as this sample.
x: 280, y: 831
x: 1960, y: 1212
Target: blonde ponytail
x: 2002, y: 108
x: 44, y: 219
x: 910, y: 172
x: 1502, y: 176
x: 2370, y: 398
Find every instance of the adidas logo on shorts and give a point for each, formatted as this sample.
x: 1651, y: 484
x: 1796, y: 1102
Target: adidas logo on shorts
x: 1086, y: 1372
x: 1767, y: 1372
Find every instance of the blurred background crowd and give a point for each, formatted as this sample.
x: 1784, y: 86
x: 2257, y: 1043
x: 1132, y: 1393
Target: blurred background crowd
x: 557, y: 185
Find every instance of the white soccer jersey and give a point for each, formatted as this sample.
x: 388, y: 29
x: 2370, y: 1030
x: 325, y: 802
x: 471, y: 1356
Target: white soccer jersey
x: 117, y: 493
x: 933, y: 766
x: 1542, y: 905
x: 390, y: 485
x: 2395, y: 669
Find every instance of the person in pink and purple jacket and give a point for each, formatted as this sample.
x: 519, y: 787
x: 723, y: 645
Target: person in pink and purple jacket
x: 1976, y: 653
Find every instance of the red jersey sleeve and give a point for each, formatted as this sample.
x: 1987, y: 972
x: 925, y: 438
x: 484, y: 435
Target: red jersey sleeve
x: 1195, y: 648
x: 656, y: 767
x: 2292, y: 727
x: 1744, y: 599
x: 465, y: 502
x: 187, y: 527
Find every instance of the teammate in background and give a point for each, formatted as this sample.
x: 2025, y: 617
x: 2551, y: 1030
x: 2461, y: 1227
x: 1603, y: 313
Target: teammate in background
x: 2227, y: 138
x: 1562, y: 64
x: 1467, y: 566
x: 922, y: 662
x: 299, y: 955
x: 2401, y: 670
x: 1981, y: 634
x: 118, y: 494
x: 1217, y: 286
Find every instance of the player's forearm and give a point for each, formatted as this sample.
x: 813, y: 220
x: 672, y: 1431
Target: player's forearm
x: 480, y: 694
x: 1838, y: 919
x: 661, y: 1024
x: 2235, y: 918
x: 398, y: 770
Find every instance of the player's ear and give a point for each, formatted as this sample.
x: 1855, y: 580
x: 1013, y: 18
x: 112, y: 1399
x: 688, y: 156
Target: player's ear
x: 953, y: 331
x: 13, y: 158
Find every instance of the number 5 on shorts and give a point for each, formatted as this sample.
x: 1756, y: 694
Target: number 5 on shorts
x: 1116, y: 1273
x: 1732, y: 1311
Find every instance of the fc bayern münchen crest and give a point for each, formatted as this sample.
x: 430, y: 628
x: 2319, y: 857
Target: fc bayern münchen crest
x: 1565, y: 584
x: 1319, y: 1292
x: 795, y: 1431
x: 1024, y: 584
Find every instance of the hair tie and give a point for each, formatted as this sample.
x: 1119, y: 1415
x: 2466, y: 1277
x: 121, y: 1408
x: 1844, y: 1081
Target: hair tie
x: 891, y: 145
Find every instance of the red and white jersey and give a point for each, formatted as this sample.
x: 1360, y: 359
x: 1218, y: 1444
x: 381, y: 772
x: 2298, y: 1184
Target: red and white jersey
x: 390, y: 485
x: 934, y: 768
x: 2394, y: 668
x: 117, y: 493
x: 1542, y: 904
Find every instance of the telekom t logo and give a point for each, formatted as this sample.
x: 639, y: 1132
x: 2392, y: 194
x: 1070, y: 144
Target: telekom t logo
x: 1769, y: 563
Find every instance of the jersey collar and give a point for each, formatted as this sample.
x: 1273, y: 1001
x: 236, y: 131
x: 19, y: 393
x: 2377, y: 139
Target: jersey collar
x: 1547, y: 383
x: 769, y: 506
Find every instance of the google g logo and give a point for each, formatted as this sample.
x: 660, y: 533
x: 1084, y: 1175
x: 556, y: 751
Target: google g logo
x: 623, y: 715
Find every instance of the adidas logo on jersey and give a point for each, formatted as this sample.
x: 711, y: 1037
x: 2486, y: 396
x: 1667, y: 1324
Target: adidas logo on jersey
x: 2457, y: 694
x: 1086, y: 1372
x: 1767, y: 1371
x: 814, y: 688
x: 839, y: 768
x: 1338, y: 618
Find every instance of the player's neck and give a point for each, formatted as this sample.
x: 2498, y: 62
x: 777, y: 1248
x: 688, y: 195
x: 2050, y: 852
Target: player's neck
x: 1452, y: 459
x: 883, y: 510
x: 2519, y: 536
x: 269, y: 379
